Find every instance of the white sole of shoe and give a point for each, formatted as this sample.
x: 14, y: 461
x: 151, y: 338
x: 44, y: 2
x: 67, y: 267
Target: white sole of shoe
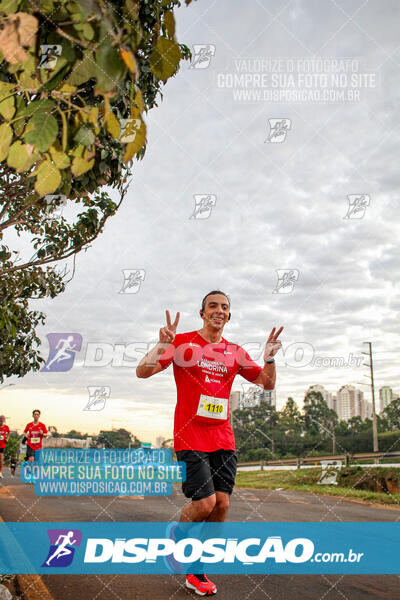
x: 192, y: 587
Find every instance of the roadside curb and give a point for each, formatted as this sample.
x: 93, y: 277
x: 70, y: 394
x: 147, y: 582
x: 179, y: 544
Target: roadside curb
x: 32, y: 586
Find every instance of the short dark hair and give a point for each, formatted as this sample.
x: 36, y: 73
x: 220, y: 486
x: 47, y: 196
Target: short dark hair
x: 203, y: 304
x: 36, y: 410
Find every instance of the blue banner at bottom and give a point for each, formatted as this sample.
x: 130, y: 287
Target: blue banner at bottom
x: 166, y: 548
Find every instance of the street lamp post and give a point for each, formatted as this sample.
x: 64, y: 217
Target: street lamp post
x: 269, y: 439
x: 374, y: 424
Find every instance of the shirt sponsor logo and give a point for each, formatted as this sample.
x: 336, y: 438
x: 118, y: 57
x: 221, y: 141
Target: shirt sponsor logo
x: 208, y: 380
x: 212, y: 366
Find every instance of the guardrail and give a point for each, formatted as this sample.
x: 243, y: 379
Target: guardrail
x: 310, y: 460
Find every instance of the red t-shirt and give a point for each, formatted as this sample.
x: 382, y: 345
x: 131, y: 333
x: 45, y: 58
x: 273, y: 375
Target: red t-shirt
x: 34, y: 434
x: 4, y: 432
x: 204, y: 374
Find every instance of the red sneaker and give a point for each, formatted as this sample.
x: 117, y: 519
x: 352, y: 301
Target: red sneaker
x: 201, y: 585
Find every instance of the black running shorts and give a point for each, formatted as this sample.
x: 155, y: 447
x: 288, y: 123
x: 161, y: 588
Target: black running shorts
x: 29, y: 452
x: 2, y: 450
x: 208, y: 472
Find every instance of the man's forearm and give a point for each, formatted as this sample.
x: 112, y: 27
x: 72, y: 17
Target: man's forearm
x: 149, y: 361
x: 268, y: 376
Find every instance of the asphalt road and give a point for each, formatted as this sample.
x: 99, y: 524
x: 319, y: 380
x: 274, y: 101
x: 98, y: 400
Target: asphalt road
x: 19, y: 503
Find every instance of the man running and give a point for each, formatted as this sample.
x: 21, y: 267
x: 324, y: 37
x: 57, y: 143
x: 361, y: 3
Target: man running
x: 13, y: 465
x: 4, y: 435
x: 205, y: 365
x: 34, y: 432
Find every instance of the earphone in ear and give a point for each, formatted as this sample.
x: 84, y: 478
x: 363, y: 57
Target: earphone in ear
x: 229, y: 318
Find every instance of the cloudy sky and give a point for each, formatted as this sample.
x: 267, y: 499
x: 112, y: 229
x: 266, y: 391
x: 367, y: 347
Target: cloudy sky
x: 278, y: 201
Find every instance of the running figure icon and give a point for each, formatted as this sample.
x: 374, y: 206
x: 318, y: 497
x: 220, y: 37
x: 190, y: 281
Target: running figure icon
x: 62, y: 549
x: 64, y: 346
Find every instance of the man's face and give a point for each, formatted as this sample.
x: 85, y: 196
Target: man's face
x: 2, y: 420
x: 216, y: 312
x: 36, y: 416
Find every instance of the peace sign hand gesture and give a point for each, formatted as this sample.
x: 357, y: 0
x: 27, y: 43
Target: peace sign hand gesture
x: 273, y: 344
x: 167, y: 334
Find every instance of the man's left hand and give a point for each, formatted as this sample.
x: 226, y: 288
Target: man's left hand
x: 273, y: 344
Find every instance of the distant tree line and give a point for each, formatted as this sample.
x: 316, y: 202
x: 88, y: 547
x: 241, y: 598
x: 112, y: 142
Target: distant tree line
x: 263, y: 433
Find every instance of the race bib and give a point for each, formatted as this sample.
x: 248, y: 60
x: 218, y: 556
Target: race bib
x: 212, y: 408
x: 35, y: 440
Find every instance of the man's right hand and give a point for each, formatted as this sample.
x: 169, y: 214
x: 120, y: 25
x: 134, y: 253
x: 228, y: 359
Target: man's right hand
x: 167, y: 334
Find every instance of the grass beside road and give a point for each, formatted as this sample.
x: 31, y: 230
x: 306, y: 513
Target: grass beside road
x: 305, y: 480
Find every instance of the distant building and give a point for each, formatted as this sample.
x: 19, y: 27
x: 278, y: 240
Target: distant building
x: 351, y: 403
x: 327, y: 396
x: 385, y: 397
x: 269, y: 396
x: 159, y: 441
x: 253, y: 395
x: 234, y: 401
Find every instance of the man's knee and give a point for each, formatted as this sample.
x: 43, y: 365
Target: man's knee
x: 222, y: 501
x: 205, y: 506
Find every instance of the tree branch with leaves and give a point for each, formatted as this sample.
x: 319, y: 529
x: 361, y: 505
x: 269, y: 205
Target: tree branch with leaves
x: 77, y: 78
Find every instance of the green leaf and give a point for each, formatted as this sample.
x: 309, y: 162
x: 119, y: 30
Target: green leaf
x: 21, y: 157
x: 5, y: 89
x: 164, y: 60
x: 37, y: 106
x: 60, y: 159
x: 137, y: 144
x: 48, y: 178
x: 9, y: 6
x: 53, y: 82
x: 85, y: 135
x: 6, y: 134
x: 84, y: 69
x: 7, y: 108
x: 110, y: 68
x: 80, y: 166
x: 169, y: 22
x: 42, y: 131
x: 113, y: 126
x: 88, y: 32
